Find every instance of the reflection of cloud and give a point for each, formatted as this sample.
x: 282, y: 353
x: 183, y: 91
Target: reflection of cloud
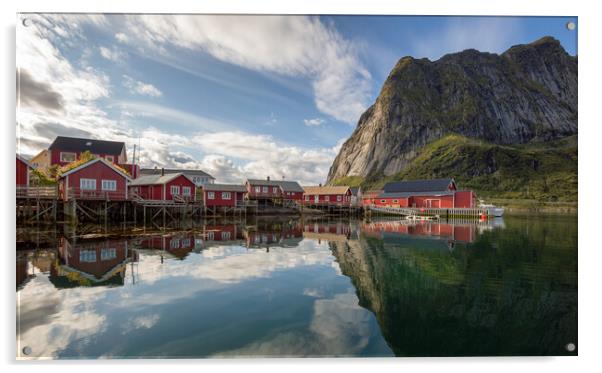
x: 340, y: 327
x: 73, y: 317
x: 141, y: 322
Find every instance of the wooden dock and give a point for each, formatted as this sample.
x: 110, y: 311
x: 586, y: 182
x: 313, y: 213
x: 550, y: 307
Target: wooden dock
x: 443, y: 213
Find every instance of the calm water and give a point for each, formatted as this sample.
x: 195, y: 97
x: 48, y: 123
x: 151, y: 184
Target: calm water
x: 292, y: 288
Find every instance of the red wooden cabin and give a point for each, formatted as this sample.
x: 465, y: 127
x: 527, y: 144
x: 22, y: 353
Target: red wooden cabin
x: 291, y: 190
x: 223, y: 195
x: 95, y: 179
x: 166, y: 187
x: 436, y: 193
x: 23, y: 168
x: 327, y: 195
x: 263, y: 189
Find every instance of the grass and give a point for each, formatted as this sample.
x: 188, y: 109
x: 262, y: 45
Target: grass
x: 541, y: 172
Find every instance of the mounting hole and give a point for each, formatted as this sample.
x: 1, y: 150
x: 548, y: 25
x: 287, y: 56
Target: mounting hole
x: 570, y: 347
x: 570, y: 26
x: 26, y: 350
x: 26, y: 21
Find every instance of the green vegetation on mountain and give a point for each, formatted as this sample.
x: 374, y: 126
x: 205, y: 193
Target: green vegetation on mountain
x: 539, y: 171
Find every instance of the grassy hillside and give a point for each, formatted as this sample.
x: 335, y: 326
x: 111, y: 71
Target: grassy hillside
x: 536, y: 171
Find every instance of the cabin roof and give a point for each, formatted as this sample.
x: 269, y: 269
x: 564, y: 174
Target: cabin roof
x: 371, y: 193
x: 24, y: 161
x: 91, y: 162
x: 156, y: 179
x: 326, y: 190
x: 157, y: 171
x: 412, y: 194
x: 286, y: 185
x: 225, y: 187
x: 432, y: 185
x: 74, y: 144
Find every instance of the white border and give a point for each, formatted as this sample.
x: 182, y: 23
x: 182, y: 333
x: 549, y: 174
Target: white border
x: 590, y: 135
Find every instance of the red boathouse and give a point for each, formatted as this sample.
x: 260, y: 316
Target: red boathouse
x: 327, y: 196
x: 95, y: 179
x: 164, y: 187
x: 223, y: 195
x: 435, y: 193
x: 23, y: 168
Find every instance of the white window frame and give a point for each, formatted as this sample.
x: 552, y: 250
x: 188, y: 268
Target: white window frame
x: 174, y: 243
x: 226, y: 195
x: 108, y: 254
x: 339, y: 198
x: 210, y: 195
x: 83, y: 186
x: 110, y: 158
x: 225, y: 235
x: 105, y: 183
x: 306, y: 198
x: 265, y: 189
x: 186, y: 191
x: 327, y: 198
x: 175, y: 188
x: 185, y: 242
x: 68, y: 153
x: 275, y: 190
x: 87, y: 256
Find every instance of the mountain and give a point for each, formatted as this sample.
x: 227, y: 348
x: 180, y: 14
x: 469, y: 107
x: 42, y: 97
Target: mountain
x: 512, y: 105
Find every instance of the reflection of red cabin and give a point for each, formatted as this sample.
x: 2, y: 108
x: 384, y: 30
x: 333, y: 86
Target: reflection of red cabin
x: 327, y: 195
x: 95, y: 179
x: 219, y: 233
x: 436, y: 193
x: 98, y: 260
x: 452, y: 232
x: 178, y: 245
x: 23, y: 168
x: 223, y: 195
x: 167, y: 187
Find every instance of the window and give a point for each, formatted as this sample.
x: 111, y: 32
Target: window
x: 110, y: 158
x: 87, y: 256
x: 210, y: 236
x: 306, y: 198
x: 109, y: 185
x: 174, y: 189
x: 226, y: 195
x: 210, y: 195
x: 68, y: 157
x: 383, y: 201
x: 275, y: 190
x: 225, y: 235
x: 174, y: 243
x: 265, y: 189
x: 186, y: 242
x: 108, y: 254
x: 87, y: 184
x: 186, y: 190
x: 257, y: 189
x: 395, y: 201
x: 326, y: 198
x: 339, y: 198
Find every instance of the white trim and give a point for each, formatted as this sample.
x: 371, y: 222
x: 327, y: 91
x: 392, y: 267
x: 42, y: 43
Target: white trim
x: 84, y: 180
x: 102, y: 185
x: 61, y: 156
x: 82, y: 166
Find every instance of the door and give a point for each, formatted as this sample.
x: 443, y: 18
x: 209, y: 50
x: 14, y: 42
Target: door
x: 316, y: 199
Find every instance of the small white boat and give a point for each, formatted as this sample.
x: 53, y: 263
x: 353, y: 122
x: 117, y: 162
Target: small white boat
x: 492, y: 210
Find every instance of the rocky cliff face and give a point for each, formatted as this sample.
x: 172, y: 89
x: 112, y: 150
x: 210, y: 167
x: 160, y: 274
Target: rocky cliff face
x: 527, y: 94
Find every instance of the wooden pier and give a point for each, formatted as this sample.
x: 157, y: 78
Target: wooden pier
x: 443, y: 213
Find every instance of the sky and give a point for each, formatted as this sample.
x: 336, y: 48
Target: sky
x: 235, y: 96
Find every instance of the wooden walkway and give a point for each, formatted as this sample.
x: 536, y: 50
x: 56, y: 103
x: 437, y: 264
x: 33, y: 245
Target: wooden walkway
x: 474, y: 213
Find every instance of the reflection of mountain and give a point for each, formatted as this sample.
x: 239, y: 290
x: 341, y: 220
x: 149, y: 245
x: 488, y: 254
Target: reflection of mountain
x: 514, y: 297
x: 91, y: 263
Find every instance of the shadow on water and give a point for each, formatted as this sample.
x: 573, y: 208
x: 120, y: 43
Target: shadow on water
x: 504, y: 287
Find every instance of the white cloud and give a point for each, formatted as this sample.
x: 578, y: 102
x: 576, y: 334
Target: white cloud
x: 114, y: 54
x: 287, y: 45
x: 121, y: 37
x: 315, y: 122
x: 141, y: 88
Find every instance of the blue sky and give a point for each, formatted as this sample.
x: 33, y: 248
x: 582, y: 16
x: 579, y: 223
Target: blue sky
x: 236, y: 96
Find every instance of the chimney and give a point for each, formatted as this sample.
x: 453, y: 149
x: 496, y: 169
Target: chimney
x: 320, y: 185
x: 268, y: 178
x: 162, y: 171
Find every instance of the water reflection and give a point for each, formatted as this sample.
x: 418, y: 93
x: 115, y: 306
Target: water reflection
x: 303, y: 288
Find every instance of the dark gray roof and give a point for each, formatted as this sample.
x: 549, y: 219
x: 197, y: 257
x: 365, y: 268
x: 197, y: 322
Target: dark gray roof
x: 287, y: 186
x: 157, y: 171
x: 411, y: 194
x: 433, y: 185
x: 154, y: 179
x: 225, y: 187
x: 73, y: 144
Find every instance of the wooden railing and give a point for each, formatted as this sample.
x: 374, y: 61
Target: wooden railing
x: 44, y: 192
x: 101, y: 195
